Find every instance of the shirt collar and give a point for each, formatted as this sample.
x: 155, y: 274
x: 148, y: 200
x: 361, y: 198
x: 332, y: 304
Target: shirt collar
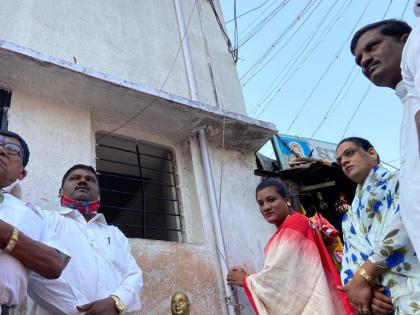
x: 99, y: 217
x: 401, y: 90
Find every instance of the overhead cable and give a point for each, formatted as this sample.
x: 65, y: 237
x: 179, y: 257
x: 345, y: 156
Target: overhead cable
x: 405, y: 8
x: 301, y: 49
x: 257, y: 19
x: 247, y: 12
x: 222, y: 29
x: 235, y: 35
x: 248, y: 36
x: 387, y: 9
x: 326, y: 116
x: 356, y: 110
x: 336, y: 56
x: 293, y: 65
x: 258, y: 65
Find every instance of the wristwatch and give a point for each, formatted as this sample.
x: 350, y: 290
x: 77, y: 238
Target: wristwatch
x: 118, y: 304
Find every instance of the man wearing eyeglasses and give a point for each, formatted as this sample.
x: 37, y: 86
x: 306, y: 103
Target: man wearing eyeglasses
x: 380, y: 271
x: 24, y: 236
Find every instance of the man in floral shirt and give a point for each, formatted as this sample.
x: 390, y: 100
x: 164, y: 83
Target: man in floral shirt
x: 380, y: 271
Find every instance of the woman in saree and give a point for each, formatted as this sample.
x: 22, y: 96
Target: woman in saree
x: 298, y: 276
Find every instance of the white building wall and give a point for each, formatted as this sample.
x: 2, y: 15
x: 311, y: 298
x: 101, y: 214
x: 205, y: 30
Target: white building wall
x: 58, y: 137
x: 134, y: 40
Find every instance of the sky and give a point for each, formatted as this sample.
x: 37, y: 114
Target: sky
x: 309, y: 85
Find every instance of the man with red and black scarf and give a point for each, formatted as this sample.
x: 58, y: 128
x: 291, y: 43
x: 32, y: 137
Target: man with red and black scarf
x: 103, y: 277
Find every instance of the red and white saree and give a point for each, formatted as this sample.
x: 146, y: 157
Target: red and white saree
x: 298, y: 275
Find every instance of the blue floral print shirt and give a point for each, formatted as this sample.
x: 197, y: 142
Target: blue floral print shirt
x: 373, y: 230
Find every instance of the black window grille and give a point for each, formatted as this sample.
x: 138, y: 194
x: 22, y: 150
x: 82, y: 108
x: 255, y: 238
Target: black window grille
x: 5, y: 98
x: 138, y: 187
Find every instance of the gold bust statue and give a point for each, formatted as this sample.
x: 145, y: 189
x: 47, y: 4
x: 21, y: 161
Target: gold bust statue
x: 180, y: 304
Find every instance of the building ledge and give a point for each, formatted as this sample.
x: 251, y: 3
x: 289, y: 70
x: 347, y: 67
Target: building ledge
x: 107, y: 96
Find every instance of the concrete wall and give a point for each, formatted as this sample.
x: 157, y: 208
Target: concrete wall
x: 61, y: 135
x: 57, y: 137
x: 245, y: 230
x: 135, y: 40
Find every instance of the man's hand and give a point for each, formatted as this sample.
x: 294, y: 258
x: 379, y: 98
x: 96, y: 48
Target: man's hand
x: 99, y: 307
x: 381, y: 304
x: 236, y: 276
x: 359, y: 293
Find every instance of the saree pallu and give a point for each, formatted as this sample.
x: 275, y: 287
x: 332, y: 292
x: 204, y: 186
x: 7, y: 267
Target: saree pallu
x: 298, y: 275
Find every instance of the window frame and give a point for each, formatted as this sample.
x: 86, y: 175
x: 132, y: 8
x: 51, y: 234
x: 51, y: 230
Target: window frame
x: 143, y: 182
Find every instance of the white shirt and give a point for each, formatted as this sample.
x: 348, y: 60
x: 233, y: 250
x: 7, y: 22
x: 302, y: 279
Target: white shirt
x: 101, y: 265
x: 28, y: 220
x: 409, y: 92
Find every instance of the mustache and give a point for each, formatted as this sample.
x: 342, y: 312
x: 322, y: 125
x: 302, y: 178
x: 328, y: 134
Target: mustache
x: 371, y: 64
x: 79, y: 186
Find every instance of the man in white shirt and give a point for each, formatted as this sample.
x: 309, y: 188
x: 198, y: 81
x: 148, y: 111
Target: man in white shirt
x: 103, y: 276
x: 410, y: 136
x: 389, y: 54
x: 24, y: 238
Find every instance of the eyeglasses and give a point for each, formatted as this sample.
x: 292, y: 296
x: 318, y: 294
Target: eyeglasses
x: 12, y: 149
x: 348, y: 154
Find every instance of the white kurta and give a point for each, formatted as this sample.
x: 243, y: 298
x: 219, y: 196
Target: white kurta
x: 28, y: 220
x: 101, y: 265
x: 409, y: 92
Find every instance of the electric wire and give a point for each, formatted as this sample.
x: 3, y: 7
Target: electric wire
x: 405, y: 8
x: 262, y: 62
x: 387, y: 9
x: 336, y: 56
x: 247, y: 12
x: 138, y: 114
x: 235, y: 35
x: 356, y: 110
x: 357, y: 74
x: 291, y: 68
x: 273, y: 88
x: 232, y: 50
x: 344, y: 95
x: 256, y: 20
x: 326, y: 116
x: 390, y: 165
x: 254, y: 31
x: 324, y: 35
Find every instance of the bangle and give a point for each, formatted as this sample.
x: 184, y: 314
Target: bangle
x: 11, y: 243
x: 365, y: 275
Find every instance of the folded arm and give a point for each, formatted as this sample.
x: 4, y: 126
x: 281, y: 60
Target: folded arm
x: 34, y: 255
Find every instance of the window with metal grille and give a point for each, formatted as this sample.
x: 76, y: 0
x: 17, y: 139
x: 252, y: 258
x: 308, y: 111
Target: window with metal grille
x: 138, y: 188
x: 5, y: 98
